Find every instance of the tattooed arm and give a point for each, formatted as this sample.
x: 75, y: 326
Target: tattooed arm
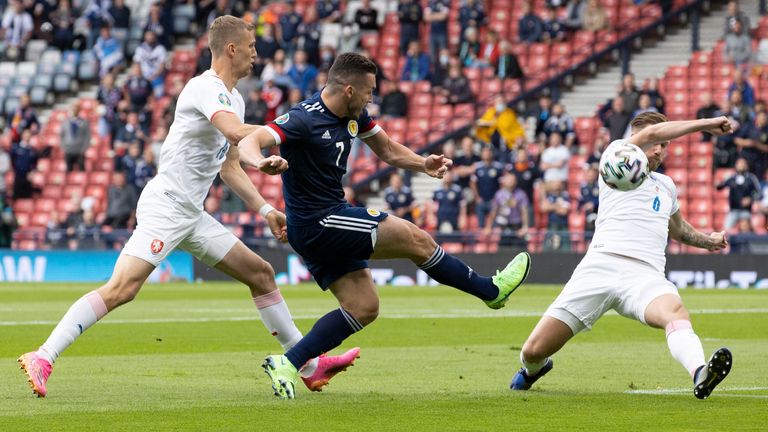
x: 682, y: 231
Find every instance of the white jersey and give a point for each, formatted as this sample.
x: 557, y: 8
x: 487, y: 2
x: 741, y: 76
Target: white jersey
x: 194, y: 150
x: 635, y: 223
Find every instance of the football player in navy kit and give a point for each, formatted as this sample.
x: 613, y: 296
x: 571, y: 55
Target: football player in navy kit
x: 335, y: 239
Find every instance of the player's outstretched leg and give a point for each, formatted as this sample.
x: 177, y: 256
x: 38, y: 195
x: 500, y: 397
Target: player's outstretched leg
x: 398, y: 238
x: 38, y: 370
x: 708, y: 376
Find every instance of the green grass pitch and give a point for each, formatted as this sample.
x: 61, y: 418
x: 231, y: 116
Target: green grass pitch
x: 187, y: 356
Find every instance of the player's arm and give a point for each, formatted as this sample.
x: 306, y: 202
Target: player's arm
x: 231, y: 127
x: 235, y: 177
x: 670, y: 130
x: 682, y: 231
x: 250, y: 152
x: 400, y: 156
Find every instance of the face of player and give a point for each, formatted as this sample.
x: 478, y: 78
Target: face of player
x: 361, y: 95
x: 656, y: 155
x: 245, y: 54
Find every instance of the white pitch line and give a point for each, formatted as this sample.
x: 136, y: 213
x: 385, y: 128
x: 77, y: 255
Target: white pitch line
x: 419, y: 313
x: 720, y: 392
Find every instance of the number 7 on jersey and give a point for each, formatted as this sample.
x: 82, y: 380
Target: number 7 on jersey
x: 340, y: 146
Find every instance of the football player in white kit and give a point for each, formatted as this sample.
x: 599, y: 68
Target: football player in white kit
x: 170, y: 215
x: 623, y: 269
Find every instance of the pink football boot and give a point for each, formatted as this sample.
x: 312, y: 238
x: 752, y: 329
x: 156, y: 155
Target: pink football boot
x: 38, y: 370
x: 328, y: 367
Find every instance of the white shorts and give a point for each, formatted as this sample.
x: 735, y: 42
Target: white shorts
x: 604, y: 281
x: 162, y: 227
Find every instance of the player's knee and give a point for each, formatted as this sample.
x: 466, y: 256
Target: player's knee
x: 119, y: 291
x: 424, y: 245
x: 364, y: 312
x: 261, y: 277
x: 533, y: 352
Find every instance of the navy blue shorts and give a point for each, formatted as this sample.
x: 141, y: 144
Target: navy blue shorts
x: 338, y: 244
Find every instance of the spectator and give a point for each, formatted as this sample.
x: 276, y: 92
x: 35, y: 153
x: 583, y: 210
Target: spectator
x: 160, y: 27
x: 255, y: 108
x: 553, y: 31
x: 464, y: 164
x: 440, y: 68
x: 120, y: 15
x: 499, y: 125
x: 602, y: 140
x: 527, y: 173
x: 507, y: 66
x: 221, y: 8
x: 8, y: 225
x: 151, y: 56
x: 574, y: 14
x: 469, y: 49
x: 763, y: 205
x: 735, y: 15
x: 417, y: 64
x: 328, y: 11
x: 485, y: 184
x: 589, y: 201
x: 63, y: 21
x: 145, y: 170
x: 399, y: 198
x: 541, y: 113
x: 109, y: 52
x: 75, y: 138
x: 410, y: 15
x: 456, y: 89
x: 616, y: 119
x: 752, y: 145
x: 349, y: 41
x: 739, y: 111
x: 351, y: 198
x: 23, y: 160
x: 23, y: 118
x: 268, y: 73
x: 97, y: 16
x: 744, y: 190
x: 310, y: 31
x: 230, y: 202
x: 436, y: 14
x: 561, y: 122
x: 108, y: 96
x: 530, y: 26
x: 5, y: 167
x: 629, y: 92
x: 16, y: 29
x: 121, y: 202
x: 708, y: 109
x: 651, y: 88
x: 266, y: 47
x: 131, y: 132
x: 738, y: 46
x: 450, y: 203
x: 556, y: 204
x: 87, y: 234
x: 643, y: 105
x: 289, y: 23
x: 367, y: 17
x: 137, y: 89
x: 128, y: 162
x: 471, y: 15
x: 394, y: 103
x: 510, y: 211
x: 554, y: 160
x: 594, y: 18
x: 303, y: 74
x: 489, y: 50
x: 741, y: 85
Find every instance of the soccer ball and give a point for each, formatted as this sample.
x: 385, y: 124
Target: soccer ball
x: 624, y: 167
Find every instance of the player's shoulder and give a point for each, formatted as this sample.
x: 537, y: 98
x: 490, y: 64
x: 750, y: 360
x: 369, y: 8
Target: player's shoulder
x: 664, y: 180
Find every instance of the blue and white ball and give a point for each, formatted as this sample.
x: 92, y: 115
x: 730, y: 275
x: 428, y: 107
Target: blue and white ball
x: 624, y: 167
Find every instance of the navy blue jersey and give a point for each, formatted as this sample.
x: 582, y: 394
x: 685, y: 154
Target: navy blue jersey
x: 487, y: 179
x: 316, y: 144
x: 448, y: 202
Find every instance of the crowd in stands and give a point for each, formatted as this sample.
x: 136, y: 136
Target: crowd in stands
x: 513, y: 174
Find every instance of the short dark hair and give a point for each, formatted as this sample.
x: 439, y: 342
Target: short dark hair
x: 646, y: 119
x: 349, y: 67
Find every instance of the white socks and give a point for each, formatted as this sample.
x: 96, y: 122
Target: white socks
x: 684, y: 345
x: 277, y: 319
x: 80, y: 316
x: 532, y: 368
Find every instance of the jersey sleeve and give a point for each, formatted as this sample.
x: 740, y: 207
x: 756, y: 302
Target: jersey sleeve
x: 368, y: 126
x: 210, y: 98
x: 290, y: 127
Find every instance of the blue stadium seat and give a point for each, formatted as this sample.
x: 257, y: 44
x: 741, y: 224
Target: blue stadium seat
x: 50, y: 56
x: 44, y: 80
x: 62, y: 82
x: 26, y: 69
x: 34, y: 49
x: 69, y: 69
x: 87, y: 70
x: 181, y: 25
x: 10, y: 105
x: 39, y: 95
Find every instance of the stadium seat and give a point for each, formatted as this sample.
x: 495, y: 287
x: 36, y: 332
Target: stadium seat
x: 62, y: 82
x: 39, y: 96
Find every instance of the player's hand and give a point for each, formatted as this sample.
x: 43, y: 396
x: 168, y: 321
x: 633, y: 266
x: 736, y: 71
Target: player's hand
x: 719, y: 241
x: 276, y: 222
x: 437, y: 165
x: 272, y: 165
x: 720, y: 126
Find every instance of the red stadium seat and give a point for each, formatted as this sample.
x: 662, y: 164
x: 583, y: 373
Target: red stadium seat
x: 25, y: 205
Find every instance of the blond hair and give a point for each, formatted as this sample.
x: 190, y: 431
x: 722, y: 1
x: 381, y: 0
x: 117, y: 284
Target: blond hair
x: 646, y: 119
x: 226, y: 29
